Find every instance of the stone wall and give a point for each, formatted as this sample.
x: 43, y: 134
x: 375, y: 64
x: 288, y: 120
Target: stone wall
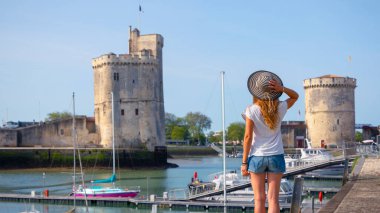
x: 8, y: 138
x: 330, y: 109
x: 52, y: 134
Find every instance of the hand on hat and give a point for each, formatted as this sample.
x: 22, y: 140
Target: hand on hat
x: 274, y: 85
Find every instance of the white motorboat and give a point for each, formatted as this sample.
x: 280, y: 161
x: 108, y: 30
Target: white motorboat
x: 242, y: 195
x: 311, y: 155
x: 315, y: 154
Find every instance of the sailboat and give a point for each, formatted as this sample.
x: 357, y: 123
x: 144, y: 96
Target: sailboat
x: 109, y: 191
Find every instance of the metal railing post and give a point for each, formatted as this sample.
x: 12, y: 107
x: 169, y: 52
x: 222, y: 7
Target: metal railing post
x: 345, y: 174
x: 297, y: 195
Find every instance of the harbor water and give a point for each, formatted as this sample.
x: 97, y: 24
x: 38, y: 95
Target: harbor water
x: 150, y: 181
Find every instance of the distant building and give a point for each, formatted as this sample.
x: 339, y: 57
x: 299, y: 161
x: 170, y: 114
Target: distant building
x: 137, y: 84
x: 13, y: 125
x: 330, y: 110
x: 293, y: 134
x: 370, y: 132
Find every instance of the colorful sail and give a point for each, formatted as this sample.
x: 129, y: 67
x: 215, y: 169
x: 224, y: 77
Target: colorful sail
x: 108, y: 180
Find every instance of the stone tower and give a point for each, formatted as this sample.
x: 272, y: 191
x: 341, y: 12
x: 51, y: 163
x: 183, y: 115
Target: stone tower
x: 136, y: 82
x: 330, y: 110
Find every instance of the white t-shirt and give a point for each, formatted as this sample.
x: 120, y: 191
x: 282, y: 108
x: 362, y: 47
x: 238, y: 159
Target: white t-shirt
x: 265, y: 141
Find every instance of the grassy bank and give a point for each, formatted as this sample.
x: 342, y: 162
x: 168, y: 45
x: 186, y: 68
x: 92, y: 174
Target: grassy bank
x: 190, y: 151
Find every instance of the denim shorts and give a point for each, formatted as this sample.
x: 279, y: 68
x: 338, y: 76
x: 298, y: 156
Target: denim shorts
x: 264, y: 164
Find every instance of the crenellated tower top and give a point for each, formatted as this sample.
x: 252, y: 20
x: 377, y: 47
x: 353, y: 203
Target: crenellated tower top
x: 329, y: 81
x: 111, y: 59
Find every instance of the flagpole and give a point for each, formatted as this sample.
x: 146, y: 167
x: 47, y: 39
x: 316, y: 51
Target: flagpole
x: 139, y: 18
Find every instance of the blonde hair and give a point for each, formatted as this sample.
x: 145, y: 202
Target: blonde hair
x: 269, y: 110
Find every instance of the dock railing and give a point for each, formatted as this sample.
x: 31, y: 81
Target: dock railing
x: 299, y: 166
x: 179, y: 194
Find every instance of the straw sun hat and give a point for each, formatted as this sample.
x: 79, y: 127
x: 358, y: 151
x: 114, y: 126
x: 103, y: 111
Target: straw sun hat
x: 258, y: 83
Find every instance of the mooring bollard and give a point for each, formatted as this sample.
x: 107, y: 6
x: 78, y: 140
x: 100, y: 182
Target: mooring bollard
x: 165, y: 196
x: 154, y: 208
x: 297, y: 195
x: 345, y: 174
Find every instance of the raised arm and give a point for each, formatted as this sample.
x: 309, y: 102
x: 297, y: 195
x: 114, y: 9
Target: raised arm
x: 293, y: 95
x: 247, y: 145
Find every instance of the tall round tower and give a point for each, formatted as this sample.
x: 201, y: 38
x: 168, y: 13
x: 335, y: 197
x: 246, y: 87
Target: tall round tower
x: 330, y: 110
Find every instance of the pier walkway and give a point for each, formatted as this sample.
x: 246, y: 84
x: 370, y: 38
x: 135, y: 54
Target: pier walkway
x: 362, y: 193
x: 135, y: 203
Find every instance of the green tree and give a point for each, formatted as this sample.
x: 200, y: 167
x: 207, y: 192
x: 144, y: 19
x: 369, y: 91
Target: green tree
x: 197, y: 123
x: 235, y: 131
x: 172, y: 121
x: 58, y: 116
x: 358, y: 136
x: 179, y: 133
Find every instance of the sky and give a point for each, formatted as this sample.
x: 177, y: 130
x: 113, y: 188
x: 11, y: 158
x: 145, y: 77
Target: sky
x: 46, y: 48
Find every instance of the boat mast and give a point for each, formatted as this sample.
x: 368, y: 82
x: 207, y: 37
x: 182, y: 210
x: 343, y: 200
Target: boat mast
x: 113, y: 136
x: 224, y: 145
x: 74, y: 147
x: 75, y: 139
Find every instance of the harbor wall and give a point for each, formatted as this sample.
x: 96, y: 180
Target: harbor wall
x: 63, y: 158
x: 8, y: 138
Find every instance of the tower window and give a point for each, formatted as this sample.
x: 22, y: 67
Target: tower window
x: 337, y: 121
x: 122, y: 112
x: 136, y: 111
x: 116, y: 76
x: 133, y: 81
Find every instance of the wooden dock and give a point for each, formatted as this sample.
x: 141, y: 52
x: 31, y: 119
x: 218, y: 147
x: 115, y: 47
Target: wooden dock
x: 134, y: 203
x: 310, y: 189
x: 323, y: 177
